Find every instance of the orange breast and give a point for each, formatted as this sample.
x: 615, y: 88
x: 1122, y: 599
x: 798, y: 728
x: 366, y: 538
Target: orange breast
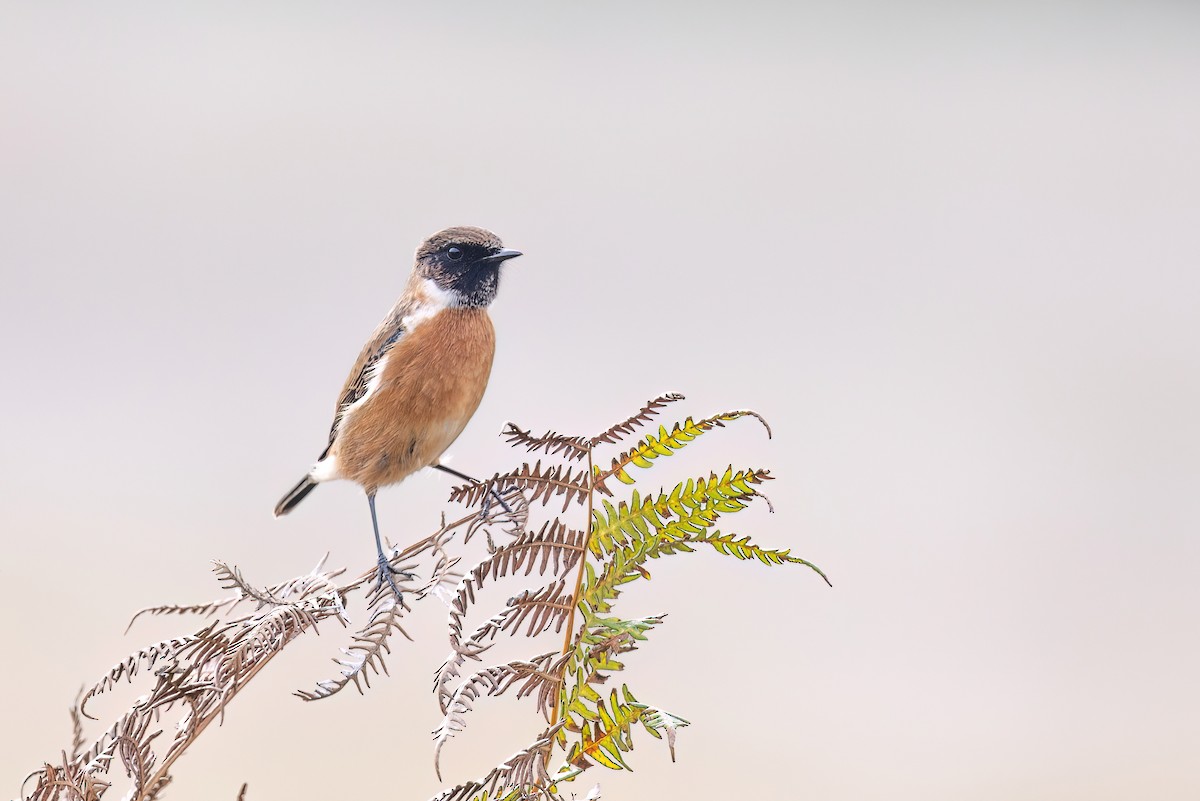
x: 431, y: 384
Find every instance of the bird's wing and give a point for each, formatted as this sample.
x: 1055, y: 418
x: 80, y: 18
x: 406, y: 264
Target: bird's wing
x: 389, y: 332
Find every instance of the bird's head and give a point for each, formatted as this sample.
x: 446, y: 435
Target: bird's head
x: 463, y: 262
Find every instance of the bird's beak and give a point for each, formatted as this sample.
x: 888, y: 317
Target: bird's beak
x: 501, y: 255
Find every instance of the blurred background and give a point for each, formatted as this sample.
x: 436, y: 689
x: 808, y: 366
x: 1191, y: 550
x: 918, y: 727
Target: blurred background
x: 949, y: 250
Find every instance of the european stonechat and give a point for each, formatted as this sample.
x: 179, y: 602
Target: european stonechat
x: 421, y: 375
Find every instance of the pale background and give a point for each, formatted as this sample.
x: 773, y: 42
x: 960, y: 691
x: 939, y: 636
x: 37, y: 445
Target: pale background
x: 950, y: 250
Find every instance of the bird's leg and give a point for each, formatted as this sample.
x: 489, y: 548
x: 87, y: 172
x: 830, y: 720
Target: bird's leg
x: 386, y: 571
x: 487, y: 500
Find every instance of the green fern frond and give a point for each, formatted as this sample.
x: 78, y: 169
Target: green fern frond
x: 599, y: 590
x: 626, y: 536
x: 604, y: 740
x: 695, y: 506
x: 606, y: 628
x: 592, y: 726
x: 601, y: 640
x: 667, y: 442
x: 742, y: 548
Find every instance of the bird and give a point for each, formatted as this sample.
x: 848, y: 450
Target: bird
x: 419, y: 378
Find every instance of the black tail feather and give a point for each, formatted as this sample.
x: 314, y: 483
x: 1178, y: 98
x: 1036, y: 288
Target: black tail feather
x: 294, y: 496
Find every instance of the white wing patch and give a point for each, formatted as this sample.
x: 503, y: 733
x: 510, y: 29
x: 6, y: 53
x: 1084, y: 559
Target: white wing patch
x: 374, y: 379
x: 433, y: 300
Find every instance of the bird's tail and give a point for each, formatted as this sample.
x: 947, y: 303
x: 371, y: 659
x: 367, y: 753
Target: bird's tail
x: 294, y: 496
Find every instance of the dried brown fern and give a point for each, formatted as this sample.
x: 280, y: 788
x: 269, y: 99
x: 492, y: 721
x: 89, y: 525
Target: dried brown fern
x: 543, y: 610
x: 618, y: 432
x: 541, y: 484
x: 586, y: 726
x: 523, y: 775
x: 582, y: 565
x: 551, y: 443
x: 194, y: 677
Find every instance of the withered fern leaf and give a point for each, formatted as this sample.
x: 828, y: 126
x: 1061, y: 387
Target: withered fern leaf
x: 542, y: 609
x: 491, y: 681
x: 540, y: 484
x: 553, y: 547
x: 365, y: 655
x: 551, y: 443
x: 172, y: 649
x: 585, y: 557
x: 618, y: 432
x: 523, y: 775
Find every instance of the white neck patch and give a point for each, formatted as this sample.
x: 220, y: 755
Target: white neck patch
x: 432, y: 300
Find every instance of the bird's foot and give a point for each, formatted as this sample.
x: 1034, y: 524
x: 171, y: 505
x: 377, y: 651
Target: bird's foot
x: 385, y: 573
x: 486, y: 507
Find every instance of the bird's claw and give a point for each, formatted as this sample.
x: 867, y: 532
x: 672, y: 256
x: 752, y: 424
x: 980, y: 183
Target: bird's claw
x: 487, y: 503
x: 385, y: 571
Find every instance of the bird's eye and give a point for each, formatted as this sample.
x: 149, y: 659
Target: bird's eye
x: 454, y: 254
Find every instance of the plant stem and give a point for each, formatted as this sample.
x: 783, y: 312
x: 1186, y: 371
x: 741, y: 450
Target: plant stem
x: 203, y: 724
x: 570, y: 635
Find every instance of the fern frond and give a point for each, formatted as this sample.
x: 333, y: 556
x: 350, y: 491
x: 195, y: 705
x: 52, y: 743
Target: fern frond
x: 511, y: 522
x: 542, y: 484
x: 600, y: 589
x: 619, y: 431
x: 606, y: 738
x: 522, y: 776
x: 365, y: 656
x: 552, y: 443
x: 694, y: 506
x: 133, y: 746
x: 491, y: 681
x: 161, y: 782
x: 593, y: 656
x: 657, y: 722
x: 173, y: 649
x: 443, y: 577
x: 317, y: 580
x: 553, y: 546
x: 230, y: 578
x: 743, y: 548
x: 547, y: 681
x: 630, y: 536
x: 202, y: 609
x: 667, y: 442
x: 616, y: 635
x: 65, y: 783
x: 543, y: 609
x: 267, y: 634
x: 198, y: 674
x: 77, y: 741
